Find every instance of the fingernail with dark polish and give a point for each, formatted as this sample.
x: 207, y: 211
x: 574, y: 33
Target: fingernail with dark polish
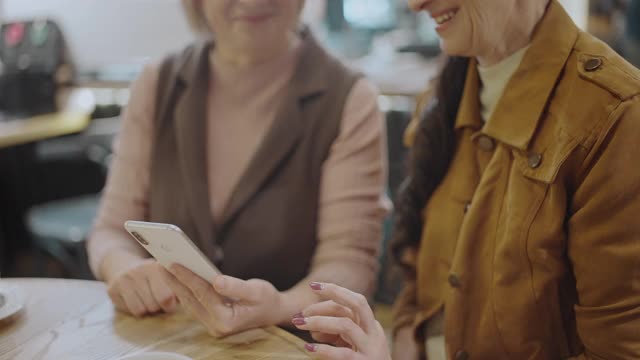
x: 311, y: 347
x: 298, y: 315
x: 299, y: 321
x: 317, y: 286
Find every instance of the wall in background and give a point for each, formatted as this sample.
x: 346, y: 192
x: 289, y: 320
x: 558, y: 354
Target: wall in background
x: 579, y: 10
x: 106, y: 32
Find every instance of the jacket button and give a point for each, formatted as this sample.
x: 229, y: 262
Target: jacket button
x: 462, y: 355
x: 592, y: 64
x: 535, y: 160
x: 486, y: 143
x: 454, y: 280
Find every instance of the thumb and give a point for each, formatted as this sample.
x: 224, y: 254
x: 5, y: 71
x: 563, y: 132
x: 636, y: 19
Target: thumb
x: 238, y: 290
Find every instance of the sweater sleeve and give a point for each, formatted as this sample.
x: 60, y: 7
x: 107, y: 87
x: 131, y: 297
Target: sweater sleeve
x: 353, y: 202
x: 125, y: 196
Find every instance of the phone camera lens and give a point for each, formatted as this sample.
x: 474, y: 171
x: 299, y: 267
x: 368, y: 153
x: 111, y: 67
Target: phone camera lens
x: 140, y: 239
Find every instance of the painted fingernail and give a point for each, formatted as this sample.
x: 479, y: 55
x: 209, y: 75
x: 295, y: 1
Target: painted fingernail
x: 299, y: 321
x: 317, y: 286
x: 311, y: 347
x: 298, y: 315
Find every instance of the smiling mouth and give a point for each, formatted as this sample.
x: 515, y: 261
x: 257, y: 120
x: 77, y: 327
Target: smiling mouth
x: 254, y: 18
x: 445, y: 17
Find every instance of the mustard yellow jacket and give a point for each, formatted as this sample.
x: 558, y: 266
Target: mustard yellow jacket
x: 532, y: 241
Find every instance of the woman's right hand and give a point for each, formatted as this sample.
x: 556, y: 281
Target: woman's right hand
x: 141, y: 290
x: 345, y: 320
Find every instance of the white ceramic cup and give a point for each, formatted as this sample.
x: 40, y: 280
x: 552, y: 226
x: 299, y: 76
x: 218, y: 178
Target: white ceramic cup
x: 156, y: 356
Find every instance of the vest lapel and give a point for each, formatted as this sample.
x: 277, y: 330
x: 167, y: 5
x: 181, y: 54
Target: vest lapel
x: 285, y: 132
x: 190, y: 124
x: 280, y: 141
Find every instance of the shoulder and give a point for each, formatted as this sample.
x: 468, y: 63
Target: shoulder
x: 149, y: 77
x: 143, y: 88
x: 600, y: 65
x: 361, y: 108
x: 363, y: 92
x: 595, y: 85
x: 324, y: 64
x: 596, y: 105
x: 180, y: 56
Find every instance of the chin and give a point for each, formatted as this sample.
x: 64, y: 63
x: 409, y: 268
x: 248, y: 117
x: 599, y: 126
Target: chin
x: 454, y: 48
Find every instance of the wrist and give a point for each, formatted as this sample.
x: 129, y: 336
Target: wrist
x: 117, y: 261
x: 294, y: 301
x: 283, y: 309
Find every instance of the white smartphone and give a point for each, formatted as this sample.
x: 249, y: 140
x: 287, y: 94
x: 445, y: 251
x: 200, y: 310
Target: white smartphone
x: 170, y: 245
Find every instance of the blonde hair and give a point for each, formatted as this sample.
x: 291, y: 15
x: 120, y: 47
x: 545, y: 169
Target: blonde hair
x: 198, y: 22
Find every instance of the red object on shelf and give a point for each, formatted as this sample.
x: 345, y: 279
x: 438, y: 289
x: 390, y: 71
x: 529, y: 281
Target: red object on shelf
x: 14, y: 34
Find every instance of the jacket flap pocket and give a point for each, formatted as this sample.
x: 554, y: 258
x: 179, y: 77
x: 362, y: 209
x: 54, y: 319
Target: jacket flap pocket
x: 544, y: 165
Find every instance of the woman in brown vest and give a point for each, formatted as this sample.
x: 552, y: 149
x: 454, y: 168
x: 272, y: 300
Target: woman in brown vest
x: 519, y: 223
x: 266, y: 151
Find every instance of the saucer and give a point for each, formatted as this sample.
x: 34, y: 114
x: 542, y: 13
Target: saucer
x: 12, y: 301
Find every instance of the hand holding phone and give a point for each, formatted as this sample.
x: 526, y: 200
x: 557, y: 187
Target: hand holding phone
x: 169, y: 245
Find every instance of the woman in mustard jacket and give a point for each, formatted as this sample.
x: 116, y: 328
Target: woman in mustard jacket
x: 519, y: 222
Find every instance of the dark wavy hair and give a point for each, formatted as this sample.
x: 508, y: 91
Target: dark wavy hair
x: 429, y: 158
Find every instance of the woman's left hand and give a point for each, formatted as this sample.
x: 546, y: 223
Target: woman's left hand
x: 255, y: 302
x: 346, y: 320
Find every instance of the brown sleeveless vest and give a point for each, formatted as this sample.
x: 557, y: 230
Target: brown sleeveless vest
x: 268, y: 229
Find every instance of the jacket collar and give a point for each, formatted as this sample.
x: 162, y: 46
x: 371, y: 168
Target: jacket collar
x: 523, y: 103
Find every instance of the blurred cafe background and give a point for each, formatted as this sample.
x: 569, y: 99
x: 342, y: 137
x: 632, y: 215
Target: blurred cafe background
x: 61, y: 94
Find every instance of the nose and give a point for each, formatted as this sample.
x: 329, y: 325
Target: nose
x: 418, y: 5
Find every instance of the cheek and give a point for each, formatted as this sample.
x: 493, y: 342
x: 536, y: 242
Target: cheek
x: 289, y: 16
x: 217, y: 14
x: 290, y: 10
x: 472, y: 33
x: 487, y: 28
x: 458, y: 41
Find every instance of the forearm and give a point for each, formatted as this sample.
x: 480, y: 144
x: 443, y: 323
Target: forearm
x: 125, y: 196
x: 111, y: 251
x: 294, y: 301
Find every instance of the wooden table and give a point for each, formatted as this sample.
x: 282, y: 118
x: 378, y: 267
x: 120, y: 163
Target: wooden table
x: 22, y: 131
x: 72, y: 319
x: 76, y: 106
